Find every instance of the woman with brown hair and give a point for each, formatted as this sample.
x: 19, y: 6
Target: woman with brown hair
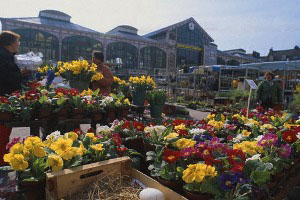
x: 10, y: 78
x: 104, y: 84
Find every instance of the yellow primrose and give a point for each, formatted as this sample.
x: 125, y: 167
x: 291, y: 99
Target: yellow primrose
x: 72, y: 135
x: 184, y: 143
x: 33, y: 141
x: 18, y: 162
x: 92, y: 136
x: 126, y: 101
x: 16, y: 148
x: 55, y: 162
x: 62, y: 146
x: 39, y: 152
x: 246, y: 133
x: 97, y: 147
x: 180, y: 127
x: 171, y: 136
x: 197, y: 173
x: 210, y: 116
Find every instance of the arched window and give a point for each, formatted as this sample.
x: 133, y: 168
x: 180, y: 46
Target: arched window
x: 186, y: 35
x: 125, y: 51
x: 152, y: 57
x: 79, y: 47
x: 220, y: 61
x: 38, y: 41
x: 233, y: 62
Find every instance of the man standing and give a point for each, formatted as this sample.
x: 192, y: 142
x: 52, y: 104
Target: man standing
x: 269, y: 93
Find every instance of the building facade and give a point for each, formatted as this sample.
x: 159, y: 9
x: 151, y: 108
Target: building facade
x: 54, y: 35
x: 235, y: 57
x: 283, y: 55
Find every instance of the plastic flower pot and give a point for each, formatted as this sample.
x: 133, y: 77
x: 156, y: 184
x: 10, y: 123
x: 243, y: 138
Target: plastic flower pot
x: 156, y: 111
x: 44, y: 113
x: 175, y: 185
x: 6, y: 116
x: 139, y: 97
x: 33, y: 190
x: 196, y: 196
x: 79, y: 84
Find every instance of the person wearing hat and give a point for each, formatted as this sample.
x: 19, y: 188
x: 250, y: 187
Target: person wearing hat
x: 269, y: 92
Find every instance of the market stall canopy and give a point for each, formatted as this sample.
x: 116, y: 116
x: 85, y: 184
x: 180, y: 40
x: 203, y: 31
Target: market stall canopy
x: 271, y: 66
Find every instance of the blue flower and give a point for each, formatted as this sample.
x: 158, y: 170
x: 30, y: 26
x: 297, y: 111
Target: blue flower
x: 228, y: 181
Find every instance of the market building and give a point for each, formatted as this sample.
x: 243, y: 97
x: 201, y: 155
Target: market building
x: 54, y: 35
x: 235, y: 57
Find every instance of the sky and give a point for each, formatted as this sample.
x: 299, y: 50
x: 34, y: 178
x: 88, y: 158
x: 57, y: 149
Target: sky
x: 254, y: 25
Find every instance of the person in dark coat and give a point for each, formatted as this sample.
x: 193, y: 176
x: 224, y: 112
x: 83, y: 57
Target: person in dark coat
x: 269, y: 92
x: 10, y: 78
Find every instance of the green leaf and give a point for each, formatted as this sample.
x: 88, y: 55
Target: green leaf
x: 210, y: 186
x: 76, y: 161
x: 60, y: 101
x: 43, y: 99
x: 260, y: 177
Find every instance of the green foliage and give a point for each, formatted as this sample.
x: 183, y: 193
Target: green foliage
x: 295, y: 105
x: 156, y: 97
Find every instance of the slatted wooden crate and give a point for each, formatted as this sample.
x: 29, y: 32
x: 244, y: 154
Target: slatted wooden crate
x: 69, y: 181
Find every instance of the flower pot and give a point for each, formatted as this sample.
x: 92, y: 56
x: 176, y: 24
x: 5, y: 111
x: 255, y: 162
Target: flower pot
x: 124, y: 113
x: 33, y: 190
x: 62, y: 114
x: 148, y: 147
x: 175, y: 185
x: 138, y: 97
x: 78, y: 113
x: 6, y: 116
x: 97, y: 116
x: 156, y: 111
x: 196, y: 196
x: 79, y: 84
x: 44, y: 113
x: 136, y: 144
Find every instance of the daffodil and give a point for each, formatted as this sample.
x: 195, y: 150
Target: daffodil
x: 171, y: 136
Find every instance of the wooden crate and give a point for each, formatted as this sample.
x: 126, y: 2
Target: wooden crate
x: 69, y: 181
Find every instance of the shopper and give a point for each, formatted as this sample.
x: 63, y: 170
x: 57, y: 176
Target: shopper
x: 104, y: 84
x: 10, y: 78
x: 269, y: 93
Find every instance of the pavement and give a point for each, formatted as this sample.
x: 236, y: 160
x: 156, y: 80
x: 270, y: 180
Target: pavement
x: 24, y: 132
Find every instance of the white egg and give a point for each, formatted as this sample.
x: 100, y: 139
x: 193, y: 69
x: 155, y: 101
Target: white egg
x: 151, y: 194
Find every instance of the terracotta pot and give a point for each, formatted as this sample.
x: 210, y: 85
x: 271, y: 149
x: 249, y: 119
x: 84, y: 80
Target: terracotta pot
x: 33, y: 190
x: 44, y: 113
x: 196, y: 196
x: 6, y: 116
x: 175, y: 185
